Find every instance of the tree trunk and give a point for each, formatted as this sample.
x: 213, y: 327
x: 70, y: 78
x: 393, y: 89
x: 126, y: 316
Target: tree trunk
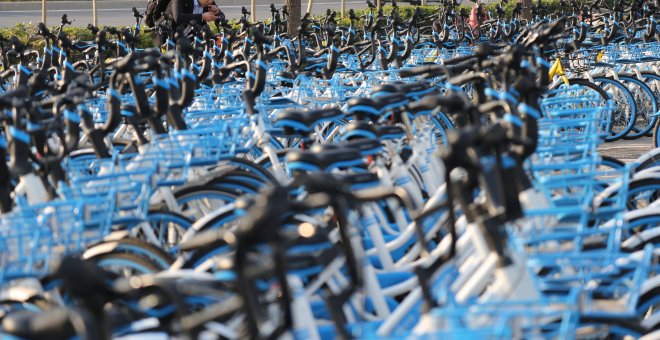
x: 527, y: 13
x: 294, y: 17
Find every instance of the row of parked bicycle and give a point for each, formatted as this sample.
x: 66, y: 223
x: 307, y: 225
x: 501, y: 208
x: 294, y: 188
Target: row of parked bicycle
x: 247, y: 183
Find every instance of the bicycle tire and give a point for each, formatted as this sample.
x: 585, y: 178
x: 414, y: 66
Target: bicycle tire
x: 624, y: 116
x: 440, y: 127
x: 612, y: 162
x: 646, y: 103
x: 612, y: 328
x: 656, y: 131
x: 186, y: 195
x: 139, y: 247
x: 641, y: 186
x: 649, y: 298
x: 652, y: 80
x: 173, y: 220
x: 253, y: 167
x: 124, y: 261
x: 585, y: 83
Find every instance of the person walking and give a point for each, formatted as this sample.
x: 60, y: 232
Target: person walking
x: 185, y: 11
x: 477, y: 15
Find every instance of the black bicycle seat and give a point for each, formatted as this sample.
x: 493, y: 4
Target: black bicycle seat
x: 306, y: 119
x: 309, y: 254
x: 390, y: 132
x: 285, y: 75
x: 328, y: 155
x: 363, y: 108
x: 300, y: 122
x: 387, y: 102
x: 52, y: 324
x: 360, y: 179
x: 412, y: 90
x: 372, y: 108
x: 324, y: 160
x: 365, y: 147
x: 360, y: 129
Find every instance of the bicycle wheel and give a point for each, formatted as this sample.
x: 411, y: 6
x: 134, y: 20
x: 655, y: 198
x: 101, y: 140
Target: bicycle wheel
x: 625, y: 109
x: 588, y: 86
x: 250, y: 166
x: 646, y: 104
x: 611, y: 162
x: 167, y: 228
x: 641, y: 193
x: 649, y: 299
x: 642, y: 231
x: 607, y: 166
x: 126, y: 264
x: 155, y: 255
x: 656, y: 131
x: 648, y: 160
x: 591, y: 89
x: 196, y: 202
x: 441, y: 126
x: 243, y: 184
x: 609, y: 328
x: 652, y: 80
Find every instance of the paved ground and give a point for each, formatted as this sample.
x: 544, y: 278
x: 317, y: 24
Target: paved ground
x: 627, y: 150
x: 119, y: 13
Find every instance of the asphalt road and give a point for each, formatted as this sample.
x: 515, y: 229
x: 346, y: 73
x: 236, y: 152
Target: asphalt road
x: 118, y: 13
x: 627, y: 150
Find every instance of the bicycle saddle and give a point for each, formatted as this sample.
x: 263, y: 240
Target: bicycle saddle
x: 294, y: 121
x: 384, y: 89
x: 410, y: 90
x: 285, y: 75
x: 361, y: 180
x: 362, y: 129
x: 324, y: 159
x: 425, y: 106
x: 308, y: 254
x: 366, y: 147
x: 52, y: 324
x: 362, y: 108
x: 390, y: 132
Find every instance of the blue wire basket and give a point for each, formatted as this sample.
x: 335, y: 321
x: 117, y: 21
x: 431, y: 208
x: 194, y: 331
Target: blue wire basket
x: 25, y: 247
x: 126, y: 193
x: 546, y: 318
